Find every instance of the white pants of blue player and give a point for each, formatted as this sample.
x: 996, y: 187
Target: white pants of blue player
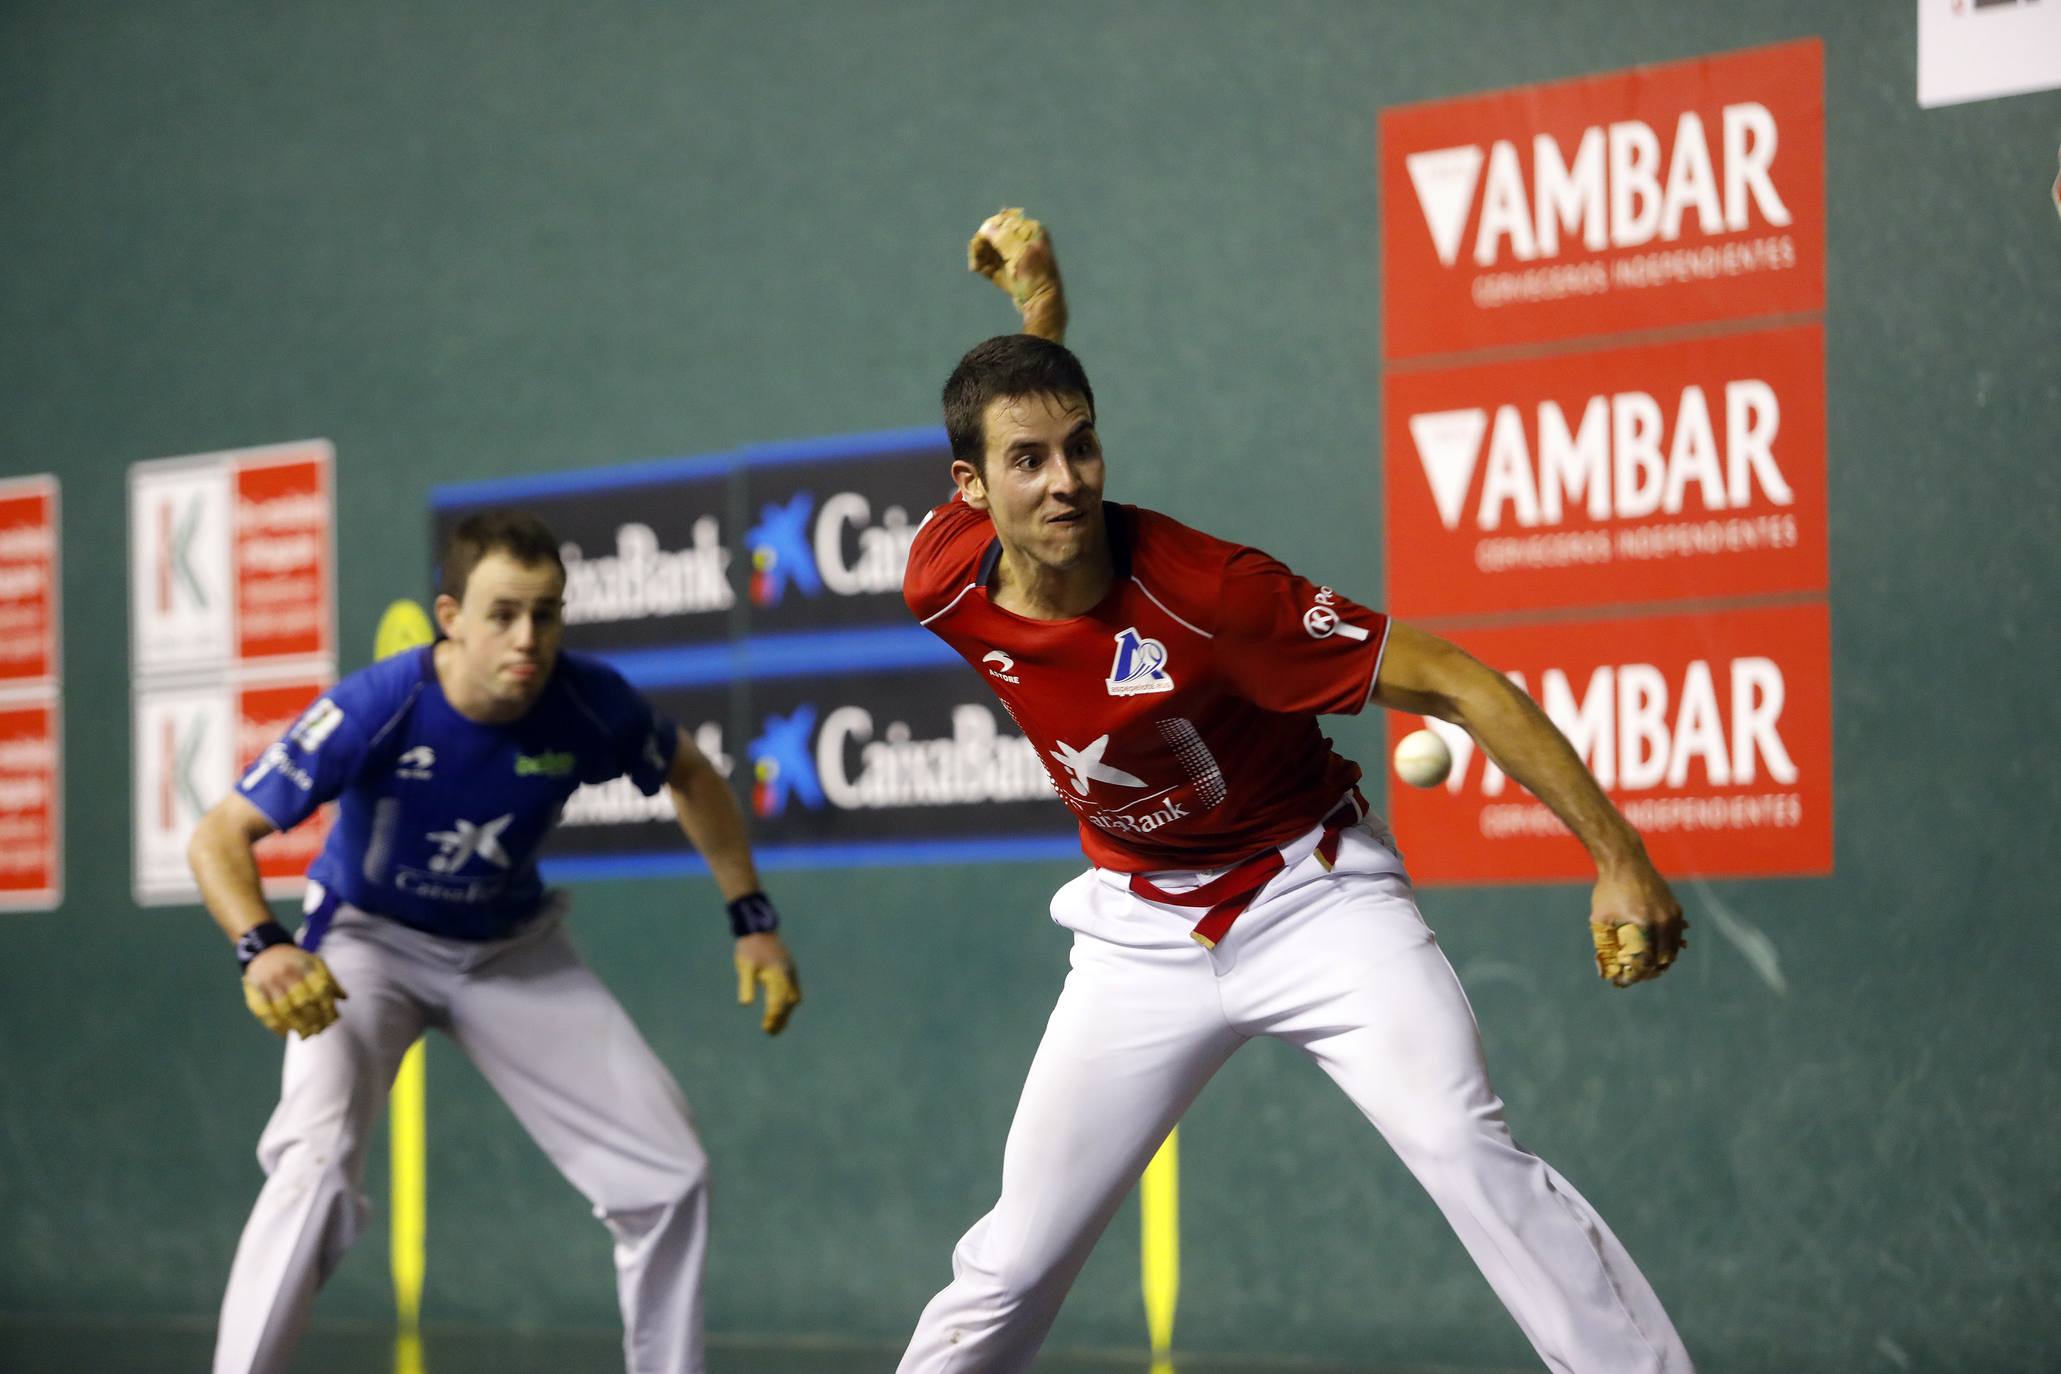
x: 560, y: 1051
x: 1339, y: 964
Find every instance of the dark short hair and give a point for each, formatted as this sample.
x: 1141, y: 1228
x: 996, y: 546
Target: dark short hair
x: 520, y: 535
x: 1006, y: 367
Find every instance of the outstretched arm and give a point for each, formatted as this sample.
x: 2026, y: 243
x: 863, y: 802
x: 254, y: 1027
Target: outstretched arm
x: 708, y: 814
x: 285, y: 987
x: 1430, y: 676
x: 1015, y: 253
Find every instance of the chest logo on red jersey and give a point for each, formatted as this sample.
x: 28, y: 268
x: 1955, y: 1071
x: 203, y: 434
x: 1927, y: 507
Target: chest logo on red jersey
x: 1139, y: 666
x: 1000, y: 665
x: 1086, y: 766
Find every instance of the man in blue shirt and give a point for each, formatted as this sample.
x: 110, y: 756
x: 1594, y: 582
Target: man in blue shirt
x: 450, y: 764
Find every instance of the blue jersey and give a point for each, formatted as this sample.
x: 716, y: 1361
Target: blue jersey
x: 439, y: 818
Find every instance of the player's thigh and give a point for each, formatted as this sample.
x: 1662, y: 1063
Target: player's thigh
x: 1376, y: 1005
x: 333, y: 1084
x: 1133, y: 1038
x: 563, y: 1053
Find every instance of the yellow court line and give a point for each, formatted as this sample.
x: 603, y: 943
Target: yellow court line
x: 1159, y: 1248
x: 408, y: 1147
x: 404, y: 626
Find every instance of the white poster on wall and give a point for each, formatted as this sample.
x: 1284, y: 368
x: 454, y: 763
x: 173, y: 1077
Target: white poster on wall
x: 181, y: 617
x: 185, y: 762
x: 1979, y: 49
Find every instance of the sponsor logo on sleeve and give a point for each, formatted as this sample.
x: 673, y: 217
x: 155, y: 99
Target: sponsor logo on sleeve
x: 316, y: 726
x: 1322, y: 620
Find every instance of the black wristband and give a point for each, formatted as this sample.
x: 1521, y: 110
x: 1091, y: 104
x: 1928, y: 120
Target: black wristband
x: 258, y: 939
x: 753, y: 914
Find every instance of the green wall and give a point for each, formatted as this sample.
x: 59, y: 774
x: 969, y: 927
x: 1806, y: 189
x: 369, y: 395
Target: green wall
x: 466, y: 239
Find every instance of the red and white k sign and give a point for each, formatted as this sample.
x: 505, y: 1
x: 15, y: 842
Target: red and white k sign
x: 1712, y: 733
x: 1687, y: 192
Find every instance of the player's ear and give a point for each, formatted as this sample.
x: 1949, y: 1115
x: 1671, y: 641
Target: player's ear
x: 973, y: 489
x: 447, y: 613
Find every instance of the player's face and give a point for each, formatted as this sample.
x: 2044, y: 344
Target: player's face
x: 1041, y: 478
x: 507, y: 628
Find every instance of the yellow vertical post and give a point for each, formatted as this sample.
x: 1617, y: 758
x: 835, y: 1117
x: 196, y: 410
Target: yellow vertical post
x: 1159, y: 1211
x: 404, y: 626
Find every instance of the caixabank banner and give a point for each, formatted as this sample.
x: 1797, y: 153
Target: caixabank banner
x: 1664, y: 472
x: 850, y: 734
x: 1682, y: 192
x: 1712, y: 733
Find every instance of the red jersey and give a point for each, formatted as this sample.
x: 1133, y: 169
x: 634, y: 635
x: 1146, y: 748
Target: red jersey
x: 1178, y: 716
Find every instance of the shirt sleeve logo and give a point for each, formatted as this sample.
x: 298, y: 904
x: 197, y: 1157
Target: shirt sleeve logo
x: 316, y: 724
x: 1139, y: 666
x: 1323, y: 621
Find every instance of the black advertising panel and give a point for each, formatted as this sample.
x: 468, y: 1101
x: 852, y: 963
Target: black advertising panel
x: 755, y: 598
x: 650, y: 550
x: 909, y: 757
x: 830, y: 525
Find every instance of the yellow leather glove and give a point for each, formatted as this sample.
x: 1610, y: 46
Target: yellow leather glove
x: 1014, y: 252
x: 307, y: 1005
x: 1625, y: 955
x: 758, y: 967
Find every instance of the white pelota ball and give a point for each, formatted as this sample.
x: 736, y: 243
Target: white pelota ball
x: 1422, y: 759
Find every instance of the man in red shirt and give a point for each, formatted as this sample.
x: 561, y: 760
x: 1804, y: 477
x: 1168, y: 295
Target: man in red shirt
x: 1171, y: 682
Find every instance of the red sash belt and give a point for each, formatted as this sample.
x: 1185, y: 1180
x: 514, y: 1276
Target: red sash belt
x: 1230, y: 892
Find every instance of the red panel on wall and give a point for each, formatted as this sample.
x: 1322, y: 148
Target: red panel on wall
x: 1682, y: 193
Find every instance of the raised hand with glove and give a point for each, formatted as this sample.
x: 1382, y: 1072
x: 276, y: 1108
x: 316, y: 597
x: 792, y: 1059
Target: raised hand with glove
x: 1015, y: 253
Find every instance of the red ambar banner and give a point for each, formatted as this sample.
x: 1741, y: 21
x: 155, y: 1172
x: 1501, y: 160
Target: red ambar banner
x: 1658, y: 473
x: 31, y: 806
x: 1712, y: 733
x: 28, y: 580
x: 1681, y: 193
x: 263, y: 715
x: 282, y: 550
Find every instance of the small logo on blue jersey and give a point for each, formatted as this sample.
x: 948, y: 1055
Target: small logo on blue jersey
x: 465, y: 841
x: 783, y: 765
x: 780, y: 552
x: 1139, y: 666
x: 556, y: 763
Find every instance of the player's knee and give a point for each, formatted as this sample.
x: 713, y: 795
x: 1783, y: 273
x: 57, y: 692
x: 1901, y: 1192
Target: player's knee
x: 1008, y: 1281
x: 661, y: 1187
x: 1450, y: 1138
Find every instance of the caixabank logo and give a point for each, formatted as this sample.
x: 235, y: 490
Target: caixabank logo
x: 829, y: 535
x: 1712, y: 734
x: 905, y: 756
x: 849, y: 757
x: 1658, y: 473
x: 837, y: 547
x: 1687, y: 191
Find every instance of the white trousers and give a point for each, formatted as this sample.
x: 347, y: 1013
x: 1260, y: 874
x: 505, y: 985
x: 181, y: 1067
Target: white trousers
x: 1340, y: 965
x: 560, y: 1051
